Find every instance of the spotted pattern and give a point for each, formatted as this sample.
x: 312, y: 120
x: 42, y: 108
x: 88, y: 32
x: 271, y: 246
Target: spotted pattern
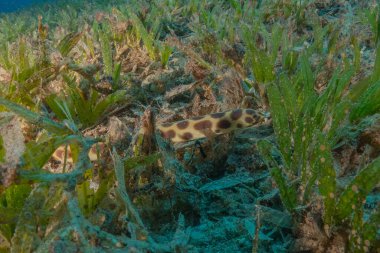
x: 236, y: 114
x: 204, y: 124
x: 218, y: 115
x: 249, y: 119
x: 194, y: 128
x: 187, y: 136
x: 168, y: 134
x: 60, y: 153
x: 183, y: 124
x: 217, y: 123
x: 224, y: 124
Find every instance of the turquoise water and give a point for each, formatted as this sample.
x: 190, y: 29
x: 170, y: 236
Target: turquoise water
x: 15, y: 5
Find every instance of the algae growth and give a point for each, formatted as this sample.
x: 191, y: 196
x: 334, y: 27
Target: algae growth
x: 75, y: 74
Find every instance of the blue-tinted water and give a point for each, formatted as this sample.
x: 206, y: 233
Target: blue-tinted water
x: 15, y: 5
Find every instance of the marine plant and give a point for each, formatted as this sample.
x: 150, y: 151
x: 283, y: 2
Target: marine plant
x: 291, y: 56
x: 308, y: 126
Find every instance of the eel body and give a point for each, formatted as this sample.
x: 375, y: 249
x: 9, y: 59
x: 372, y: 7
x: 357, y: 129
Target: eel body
x: 187, y: 130
x: 216, y: 123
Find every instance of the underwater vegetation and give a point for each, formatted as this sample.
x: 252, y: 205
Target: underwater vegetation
x: 285, y: 95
